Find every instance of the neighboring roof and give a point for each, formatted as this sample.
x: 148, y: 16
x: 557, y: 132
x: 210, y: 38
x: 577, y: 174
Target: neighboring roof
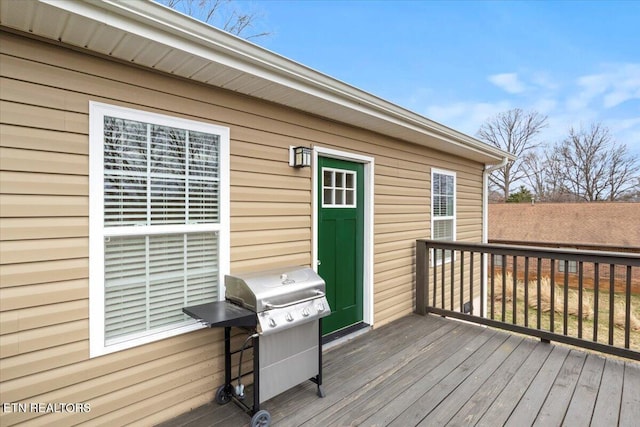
x: 599, y: 224
x: 151, y: 35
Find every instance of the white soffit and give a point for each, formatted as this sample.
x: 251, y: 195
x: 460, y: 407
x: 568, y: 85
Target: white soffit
x: 151, y: 35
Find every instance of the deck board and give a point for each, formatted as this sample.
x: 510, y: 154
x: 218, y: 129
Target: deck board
x: 427, y: 370
x: 630, y: 405
x: 581, y: 406
x: 476, y: 405
x: 528, y: 407
x: 555, y: 405
x: 607, y: 409
x: 503, y: 405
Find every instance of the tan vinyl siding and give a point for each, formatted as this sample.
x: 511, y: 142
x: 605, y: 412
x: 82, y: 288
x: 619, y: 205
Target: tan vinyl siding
x: 44, y: 210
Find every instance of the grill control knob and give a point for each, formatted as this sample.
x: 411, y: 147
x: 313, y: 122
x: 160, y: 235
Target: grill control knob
x: 305, y: 312
x: 320, y: 307
x: 272, y: 323
x: 289, y: 317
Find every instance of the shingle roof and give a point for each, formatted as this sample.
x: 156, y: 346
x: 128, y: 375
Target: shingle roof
x: 606, y: 224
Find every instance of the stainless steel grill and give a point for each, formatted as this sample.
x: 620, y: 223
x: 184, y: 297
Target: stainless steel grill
x: 289, y: 303
x: 282, y: 311
x: 282, y: 298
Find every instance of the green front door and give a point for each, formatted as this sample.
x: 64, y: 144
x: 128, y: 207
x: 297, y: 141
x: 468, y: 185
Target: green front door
x: 341, y: 239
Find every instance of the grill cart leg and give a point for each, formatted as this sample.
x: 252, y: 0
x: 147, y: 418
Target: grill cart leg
x: 318, y: 379
x: 256, y: 376
x: 225, y: 391
x: 227, y: 356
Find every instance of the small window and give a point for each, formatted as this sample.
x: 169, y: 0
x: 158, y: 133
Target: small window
x: 159, y: 224
x: 497, y: 260
x: 338, y: 188
x: 572, y: 266
x: 443, y: 210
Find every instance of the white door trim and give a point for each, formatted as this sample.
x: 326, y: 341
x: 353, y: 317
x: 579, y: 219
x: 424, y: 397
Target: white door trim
x: 367, y: 276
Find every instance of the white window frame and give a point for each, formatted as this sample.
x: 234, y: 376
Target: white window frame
x: 344, y: 205
x: 573, y: 267
x: 97, y: 231
x: 453, y: 218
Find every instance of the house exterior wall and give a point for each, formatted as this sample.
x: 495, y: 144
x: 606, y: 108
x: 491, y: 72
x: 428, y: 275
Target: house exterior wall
x: 44, y: 352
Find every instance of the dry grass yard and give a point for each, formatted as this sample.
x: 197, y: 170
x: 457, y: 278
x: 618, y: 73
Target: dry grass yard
x: 573, y: 310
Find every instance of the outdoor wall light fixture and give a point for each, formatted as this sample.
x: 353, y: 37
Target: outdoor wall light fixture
x: 300, y: 157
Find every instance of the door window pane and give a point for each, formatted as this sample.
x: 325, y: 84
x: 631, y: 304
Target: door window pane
x: 338, y: 188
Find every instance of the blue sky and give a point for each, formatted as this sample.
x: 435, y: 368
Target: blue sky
x: 461, y: 62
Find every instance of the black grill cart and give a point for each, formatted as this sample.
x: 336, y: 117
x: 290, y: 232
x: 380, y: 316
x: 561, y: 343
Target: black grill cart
x: 223, y: 314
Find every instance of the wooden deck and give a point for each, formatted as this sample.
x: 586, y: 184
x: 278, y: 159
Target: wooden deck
x: 431, y: 371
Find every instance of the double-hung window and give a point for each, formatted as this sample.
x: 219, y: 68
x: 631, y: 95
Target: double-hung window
x: 159, y: 223
x: 443, y: 210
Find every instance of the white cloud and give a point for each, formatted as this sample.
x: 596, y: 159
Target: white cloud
x: 610, y: 96
x: 508, y: 82
x: 610, y: 88
x: 466, y: 117
x: 543, y: 80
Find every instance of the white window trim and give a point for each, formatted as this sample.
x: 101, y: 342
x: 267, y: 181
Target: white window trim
x: 449, y: 217
x: 97, y: 111
x: 355, y: 189
x: 573, y: 267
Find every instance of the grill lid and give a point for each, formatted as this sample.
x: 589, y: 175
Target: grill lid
x: 271, y: 289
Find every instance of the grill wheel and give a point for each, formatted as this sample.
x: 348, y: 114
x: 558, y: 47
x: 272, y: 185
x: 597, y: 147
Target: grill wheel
x: 222, y: 395
x: 262, y: 418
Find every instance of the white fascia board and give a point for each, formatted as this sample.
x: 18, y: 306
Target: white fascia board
x: 155, y: 22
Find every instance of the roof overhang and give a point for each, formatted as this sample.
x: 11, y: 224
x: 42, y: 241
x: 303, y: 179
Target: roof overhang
x: 151, y: 35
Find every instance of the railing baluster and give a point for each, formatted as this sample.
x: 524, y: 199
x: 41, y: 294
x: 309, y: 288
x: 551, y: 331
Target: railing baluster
x: 461, y: 281
x: 504, y: 287
x: 565, y: 311
x: 580, y: 292
x: 627, y: 309
x: 514, y: 295
x: 435, y: 276
x: 552, y: 291
x: 539, y: 301
x: 526, y: 291
x: 452, y: 280
x: 442, y: 277
x: 493, y: 285
x: 471, y: 283
x: 425, y: 271
x: 482, y: 286
x: 612, y: 282
x: 596, y: 297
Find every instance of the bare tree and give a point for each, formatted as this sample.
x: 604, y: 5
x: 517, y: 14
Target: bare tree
x: 224, y: 14
x: 514, y: 131
x: 545, y: 176
x: 593, y: 166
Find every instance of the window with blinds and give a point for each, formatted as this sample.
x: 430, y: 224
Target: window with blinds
x: 443, y: 209
x: 159, y: 188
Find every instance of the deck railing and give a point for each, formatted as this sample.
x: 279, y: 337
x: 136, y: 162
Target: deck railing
x: 589, y: 299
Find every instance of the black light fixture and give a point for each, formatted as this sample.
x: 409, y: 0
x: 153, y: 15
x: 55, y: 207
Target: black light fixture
x: 301, y: 157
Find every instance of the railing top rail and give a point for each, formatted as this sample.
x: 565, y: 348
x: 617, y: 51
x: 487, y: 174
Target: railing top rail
x: 623, y: 258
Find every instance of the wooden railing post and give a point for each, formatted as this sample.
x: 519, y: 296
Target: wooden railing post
x: 422, y: 273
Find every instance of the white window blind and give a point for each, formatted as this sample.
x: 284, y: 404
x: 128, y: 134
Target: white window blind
x: 443, y: 215
x: 162, y: 216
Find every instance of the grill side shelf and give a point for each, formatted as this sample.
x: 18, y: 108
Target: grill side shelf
x: 221, y: 314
